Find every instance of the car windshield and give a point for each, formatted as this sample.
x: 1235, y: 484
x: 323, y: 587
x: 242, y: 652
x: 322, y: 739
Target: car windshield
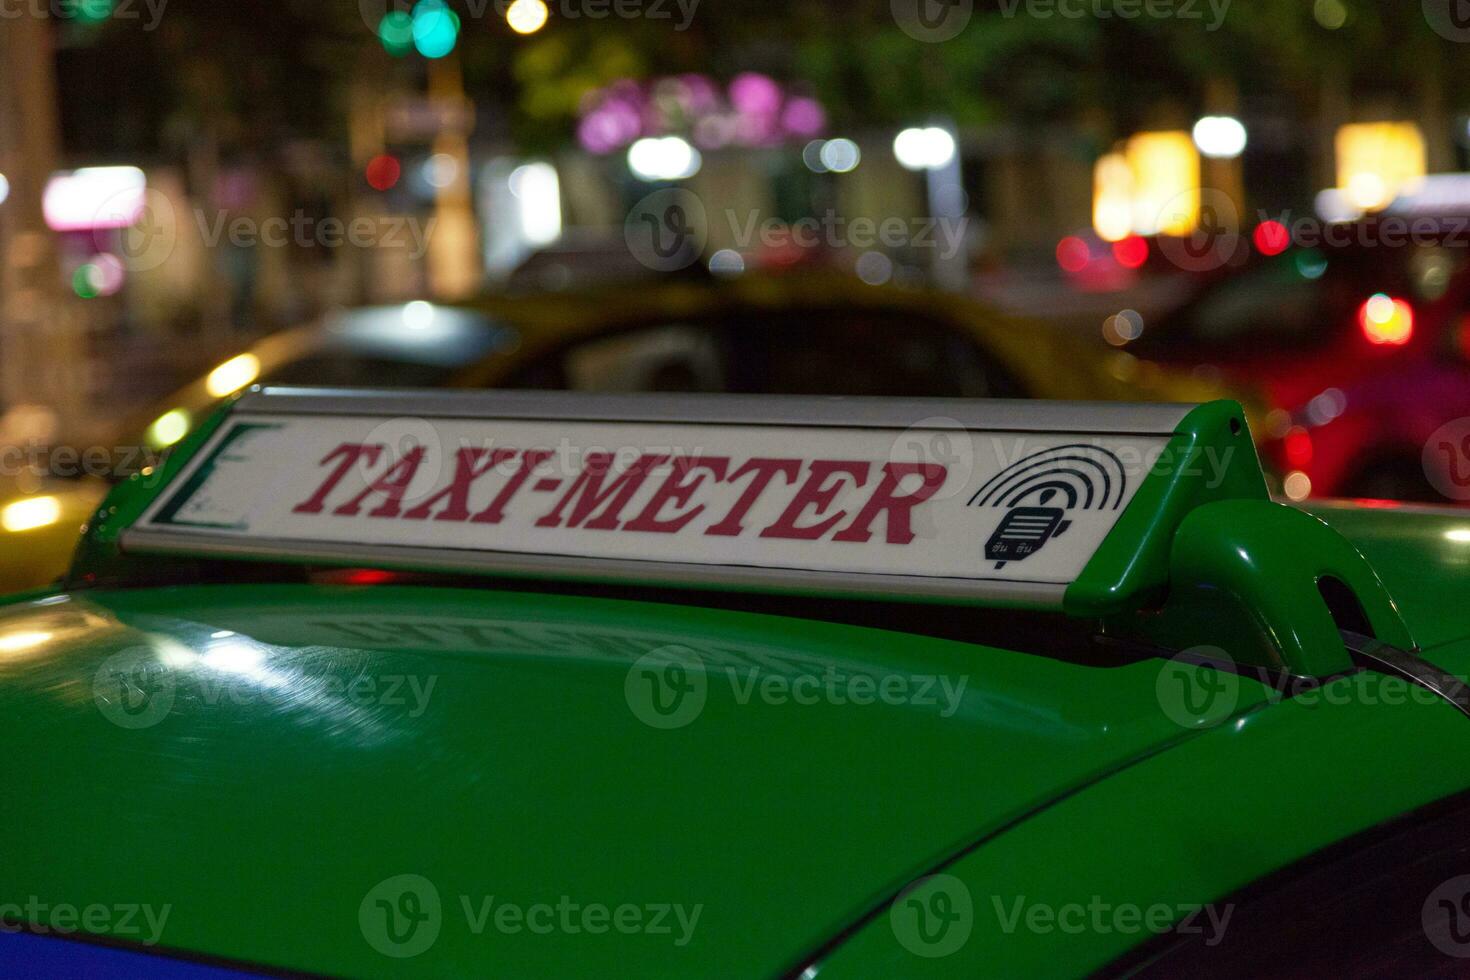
x: 415, y: 345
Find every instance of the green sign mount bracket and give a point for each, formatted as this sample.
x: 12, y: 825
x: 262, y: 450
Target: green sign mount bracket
x: 1204, y: 557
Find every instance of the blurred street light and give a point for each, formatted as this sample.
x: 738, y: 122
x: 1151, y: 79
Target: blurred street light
x: 1376, y: 160
x: 934, y: 151
x: 929, y: 148
x: 666, y: 158
x: 1112, y: 198
x: 537, y: 189
x: 1220, y: 137
x: 94, y: 197
x: 4, y: 188
x: 526, y: 16
x: 839, y: 155
x: 811, y: 155
x: 1166, y: 183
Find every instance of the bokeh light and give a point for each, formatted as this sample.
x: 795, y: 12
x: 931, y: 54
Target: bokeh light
x: 1073, y: 254
x: 435, y: 28
x: 1386, y: 320
x: 1131, y: 252
x: 840, y: 155
x: 232, y: 375
x: 1271, y: 238
x: 383, y: 172
x: 928, y: 148
x: 168, y: 428
x: 527, y: 16
x: 395, y: 30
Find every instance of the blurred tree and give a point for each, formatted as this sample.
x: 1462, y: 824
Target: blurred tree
x: 253, y: 73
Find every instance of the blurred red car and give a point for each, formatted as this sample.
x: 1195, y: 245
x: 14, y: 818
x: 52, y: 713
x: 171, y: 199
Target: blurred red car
x: 1359, y: 339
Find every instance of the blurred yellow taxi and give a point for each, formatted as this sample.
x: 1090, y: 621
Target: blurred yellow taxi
x: 813, y: 334
x: 40, y: 521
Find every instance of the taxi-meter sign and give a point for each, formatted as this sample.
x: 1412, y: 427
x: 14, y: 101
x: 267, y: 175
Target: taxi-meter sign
x: 785, y: 493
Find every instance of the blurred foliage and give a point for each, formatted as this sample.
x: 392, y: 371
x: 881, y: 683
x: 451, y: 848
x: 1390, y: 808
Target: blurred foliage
x: 250, y: 74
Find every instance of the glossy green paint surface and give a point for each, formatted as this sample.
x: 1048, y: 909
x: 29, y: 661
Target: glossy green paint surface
x: 1258, y: 792
x: 292, y: 769
x: 1422, y: 556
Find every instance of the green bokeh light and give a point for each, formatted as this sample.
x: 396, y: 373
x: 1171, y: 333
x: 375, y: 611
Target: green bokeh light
x: 435, y: 28
x: 84, y: 281
x: 396, y: 32
x: 94, y: 11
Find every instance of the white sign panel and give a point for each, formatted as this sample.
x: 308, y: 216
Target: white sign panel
x: 933, y: 501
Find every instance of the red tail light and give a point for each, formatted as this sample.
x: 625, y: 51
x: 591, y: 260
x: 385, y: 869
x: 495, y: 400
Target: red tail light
x: 1297, y: 447
x: 1386, y: 320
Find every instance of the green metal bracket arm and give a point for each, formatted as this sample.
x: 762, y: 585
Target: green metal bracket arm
x: 1248, y: 576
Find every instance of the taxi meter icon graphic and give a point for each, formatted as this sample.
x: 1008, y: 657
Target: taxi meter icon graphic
x: 1041, y: 491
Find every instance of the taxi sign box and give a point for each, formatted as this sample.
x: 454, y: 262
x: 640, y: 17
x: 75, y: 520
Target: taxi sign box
x: 1153, y: 521
x: 841, y: 495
